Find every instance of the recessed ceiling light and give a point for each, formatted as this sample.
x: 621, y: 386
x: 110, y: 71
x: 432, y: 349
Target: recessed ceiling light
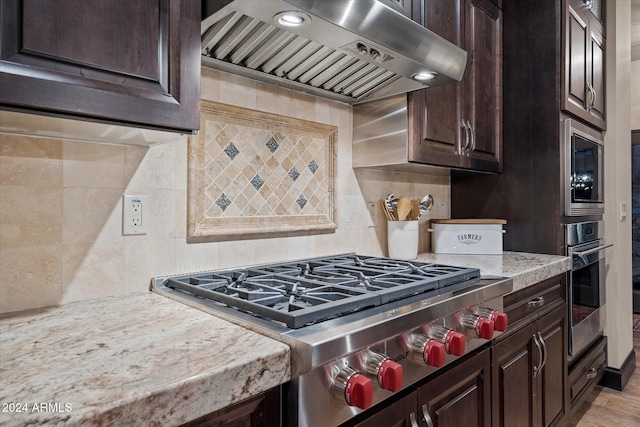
x: 424, y: 76
x: 292, y: 18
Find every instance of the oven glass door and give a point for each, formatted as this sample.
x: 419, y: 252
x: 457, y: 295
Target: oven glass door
x: 586, y: 170
x: 587, y: 277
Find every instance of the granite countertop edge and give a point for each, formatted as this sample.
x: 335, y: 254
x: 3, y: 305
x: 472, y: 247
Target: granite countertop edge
x: 138, y: 359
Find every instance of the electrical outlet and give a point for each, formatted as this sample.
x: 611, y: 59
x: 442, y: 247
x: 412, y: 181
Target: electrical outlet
x: 135, y: 215
x: 623, y: 211
x: 372, y: 207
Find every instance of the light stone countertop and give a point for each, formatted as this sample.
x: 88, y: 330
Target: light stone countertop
x: 525, y: 269
x: 139, y: 359
x: 144, y: 359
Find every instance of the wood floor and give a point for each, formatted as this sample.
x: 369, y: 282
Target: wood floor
x: 607, y: 407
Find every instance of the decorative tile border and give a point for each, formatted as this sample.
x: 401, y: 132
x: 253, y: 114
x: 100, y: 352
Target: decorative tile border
x: 252, y: 172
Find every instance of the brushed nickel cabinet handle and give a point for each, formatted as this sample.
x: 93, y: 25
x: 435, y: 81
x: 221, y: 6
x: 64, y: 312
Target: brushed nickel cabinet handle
x: 593, y: 99
x: 472, y: 146
x: 544, y: 350
x: 588, y: 92
x: 412, y: 420
x: 536, y: 302
x: 537, y: 368
x: 592, y: 373
x: 426, y: 416
x: 461, y: 150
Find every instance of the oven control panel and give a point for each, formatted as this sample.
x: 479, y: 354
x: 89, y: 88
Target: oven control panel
x: 372, y: 374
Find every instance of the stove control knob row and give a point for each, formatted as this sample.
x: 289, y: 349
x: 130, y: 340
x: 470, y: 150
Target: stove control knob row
x: 426, y: 350
x: 453, y: 341
x: 476, y: 326
x: 387, y: 372
x: 499, y: 319
x: 355, y: 388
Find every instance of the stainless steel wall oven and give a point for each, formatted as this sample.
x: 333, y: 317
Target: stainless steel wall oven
x: 583, y: 169
x: 586, y: 296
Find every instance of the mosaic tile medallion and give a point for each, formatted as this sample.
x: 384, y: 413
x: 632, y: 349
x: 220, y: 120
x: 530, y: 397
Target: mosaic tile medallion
x: 253, y: 173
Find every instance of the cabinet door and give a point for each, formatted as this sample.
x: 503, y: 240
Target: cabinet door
x: 513, y: 390
x: 576, y: 74
x: 434, y: 113
x: 584, y: 62
x: 126, y: 61
x: 460, y: 396
x: 459, y: 125
x: 483, y: 88
x: 597, y: 73
x: 554, y: 374
x: 400, y: 414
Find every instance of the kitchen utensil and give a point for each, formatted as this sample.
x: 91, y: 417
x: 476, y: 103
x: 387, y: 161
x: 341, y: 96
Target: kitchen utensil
x: 426, y: 204
x: 415, y: 209
x: 404, y: 208
x: 385, y: 209
x: 391, y: 201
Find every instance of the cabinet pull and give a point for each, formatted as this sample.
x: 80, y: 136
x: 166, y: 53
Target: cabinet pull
x: 472, y: 146
x: 412, y: 420
x: 426, y: 416
x: 592, y: 373
x: 588, y: 93
x: 460, y: 150
x: 593, y: 98
x: 537, y: 368
x: 544, y: 350
x: 536, y: 302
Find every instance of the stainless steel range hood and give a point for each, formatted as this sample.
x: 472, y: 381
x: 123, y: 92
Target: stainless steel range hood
x: 347, y: 50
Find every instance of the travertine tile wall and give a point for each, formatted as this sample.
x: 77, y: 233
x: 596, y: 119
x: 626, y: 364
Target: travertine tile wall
x: 61, y: 208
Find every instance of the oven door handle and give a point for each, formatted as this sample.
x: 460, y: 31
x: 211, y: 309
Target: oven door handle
x: 591, y: 251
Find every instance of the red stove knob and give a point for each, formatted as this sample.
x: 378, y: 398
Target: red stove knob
x: 434, y: 353
x: 358, y: 391
x: 453, y: 341
x: 352, y: 387
x: 390, y: 375
x: 476, y: 326
x: 386, y: 371
x: 427, y: 350
x: 484, y: 328
x: 500, y: 319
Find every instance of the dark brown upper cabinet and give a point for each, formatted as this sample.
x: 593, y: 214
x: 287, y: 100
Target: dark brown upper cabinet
x: 130, y: 62
x: 583, y: 85
x: 460, y: 125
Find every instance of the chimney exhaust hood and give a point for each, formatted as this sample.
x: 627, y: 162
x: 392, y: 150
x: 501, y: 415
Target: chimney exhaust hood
x: 351, y: 51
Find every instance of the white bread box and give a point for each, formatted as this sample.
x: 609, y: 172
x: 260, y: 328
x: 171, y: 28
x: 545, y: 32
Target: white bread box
x: 467, y: 236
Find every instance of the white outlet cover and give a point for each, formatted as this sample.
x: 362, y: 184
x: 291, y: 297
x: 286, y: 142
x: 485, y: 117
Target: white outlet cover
x: 135, y: 215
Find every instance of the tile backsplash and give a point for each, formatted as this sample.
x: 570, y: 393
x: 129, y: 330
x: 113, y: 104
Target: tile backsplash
x: 61, y: 207
x: 252, y: 172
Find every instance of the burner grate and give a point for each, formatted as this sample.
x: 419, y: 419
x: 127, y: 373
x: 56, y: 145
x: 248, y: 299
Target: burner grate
x: 309, y: 291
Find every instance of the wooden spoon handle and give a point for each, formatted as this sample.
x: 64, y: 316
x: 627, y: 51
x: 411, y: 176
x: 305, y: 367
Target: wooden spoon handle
x: 404, y: 207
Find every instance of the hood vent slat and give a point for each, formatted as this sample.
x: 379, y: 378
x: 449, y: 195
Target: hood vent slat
x: 324, y: 57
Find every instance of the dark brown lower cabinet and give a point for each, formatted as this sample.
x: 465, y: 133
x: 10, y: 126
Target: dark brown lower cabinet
x: 529, y: 374
x: 402, y: 413
x: 262, y: 410
x: 461, y: 396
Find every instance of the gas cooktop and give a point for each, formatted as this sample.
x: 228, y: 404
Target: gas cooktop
x: 360, y: 328
x: 306, y: 292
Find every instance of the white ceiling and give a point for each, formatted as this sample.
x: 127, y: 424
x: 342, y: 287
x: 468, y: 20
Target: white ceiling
x: 635, y: 30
